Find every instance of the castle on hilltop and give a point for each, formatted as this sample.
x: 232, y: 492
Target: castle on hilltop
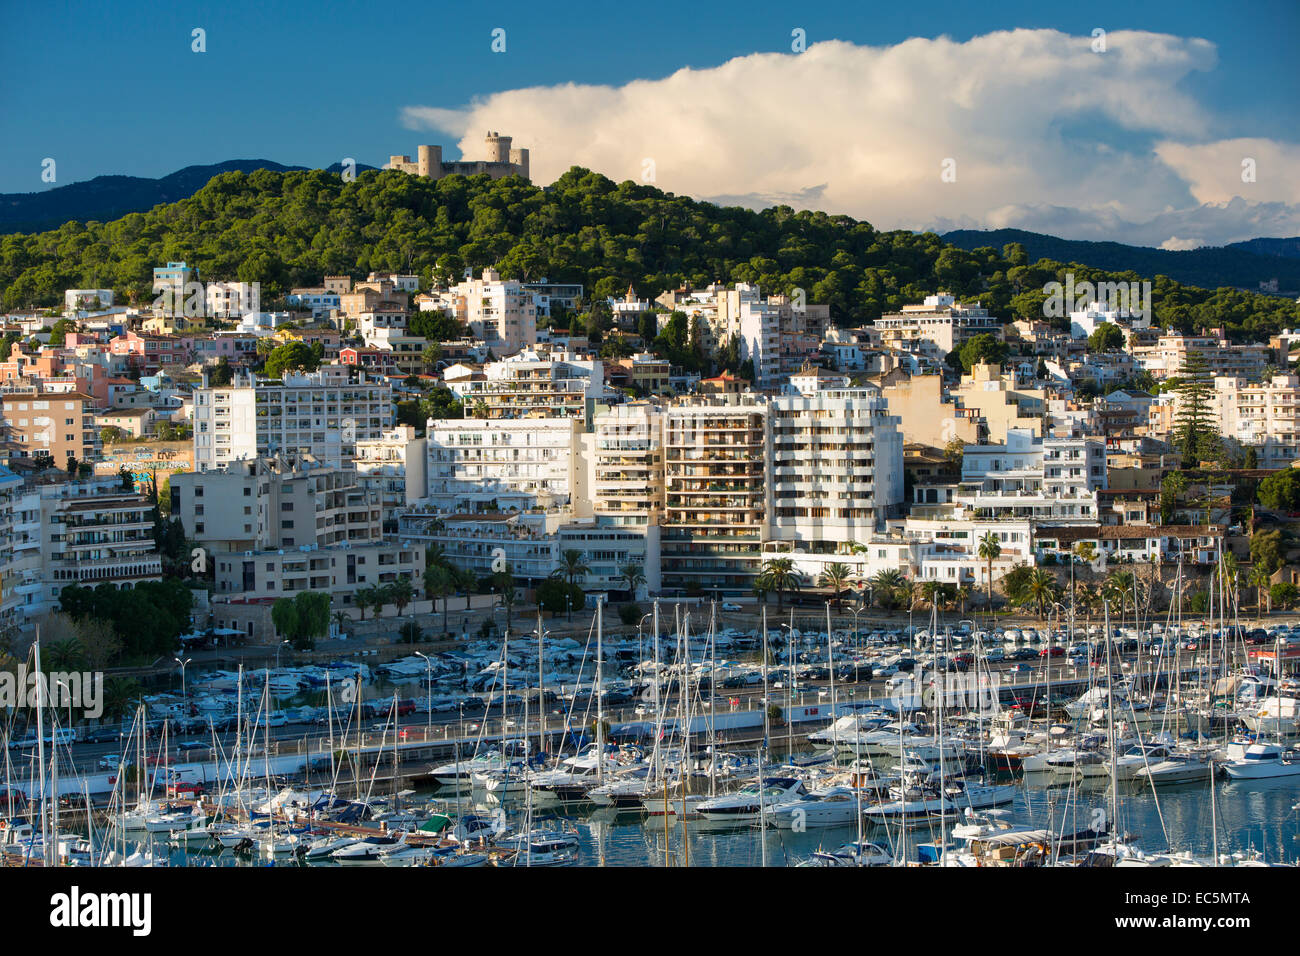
x: 501, y: 161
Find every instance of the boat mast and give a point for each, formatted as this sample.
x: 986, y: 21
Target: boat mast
x: 600, y: 683
x: 40, y: 746
x: 1110, y: 713
x: 541, y: 685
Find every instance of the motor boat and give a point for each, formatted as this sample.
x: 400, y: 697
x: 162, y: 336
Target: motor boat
x: 1256, y: 761
x: 857, y: 853
x: 1176, y: 768
x: 743, y: 806
x: 827, y: 807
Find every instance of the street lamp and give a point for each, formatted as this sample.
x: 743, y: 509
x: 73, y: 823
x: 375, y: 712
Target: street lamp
x: 183, y: 663
x: 428, y: 683
x: 277, y: 653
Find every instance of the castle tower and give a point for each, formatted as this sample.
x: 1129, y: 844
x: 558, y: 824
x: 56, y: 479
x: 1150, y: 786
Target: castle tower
x: 430, y: 162
x: 498, y: 148
x: 519, y: 157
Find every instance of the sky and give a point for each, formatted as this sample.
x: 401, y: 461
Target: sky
x: 1168, y: 124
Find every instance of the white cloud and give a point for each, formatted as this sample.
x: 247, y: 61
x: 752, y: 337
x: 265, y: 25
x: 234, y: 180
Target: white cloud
x: 1045, y: 135
x: 1175, y: 244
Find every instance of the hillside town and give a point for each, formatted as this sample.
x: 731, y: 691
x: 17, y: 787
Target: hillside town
x: 375, y: 436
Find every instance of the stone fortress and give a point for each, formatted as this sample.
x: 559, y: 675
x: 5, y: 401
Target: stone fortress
x: 501, y: 161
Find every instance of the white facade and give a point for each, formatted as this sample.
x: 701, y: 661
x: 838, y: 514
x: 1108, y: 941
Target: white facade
x: 320, y: 413
x: 483, y: 464
x: 836, y: 466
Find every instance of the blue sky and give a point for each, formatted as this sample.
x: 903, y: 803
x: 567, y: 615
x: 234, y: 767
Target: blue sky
x: 117, y: 89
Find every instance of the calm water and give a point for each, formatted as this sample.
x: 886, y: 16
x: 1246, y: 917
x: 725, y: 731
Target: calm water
x: 1250, y: 815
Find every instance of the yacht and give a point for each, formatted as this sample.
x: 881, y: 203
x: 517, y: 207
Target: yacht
x: 828, y: 807
x: 857, y: 853
x: 1251, y: 760
x: 1175, y: 768
x: 743, y: 806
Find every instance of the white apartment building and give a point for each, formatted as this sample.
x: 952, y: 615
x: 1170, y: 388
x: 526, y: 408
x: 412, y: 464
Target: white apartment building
x: 1264, y: 416
x: 393, y: 466
x: 75, y: 300
x: 268, y: 504
x: 1086, y: 321
x: 92, y: 533
x: 836, y: 459
x: 934, y: 328
x: 501, y: 313
x: 262, y: 576
x: 1053, y: 479
x: 483, y: 543
x: 323, y: 413
x: 230, y: 299
x: 1171, y: 350
x: 626, y: 466
x: 477, y: 465
x: 530, y: 384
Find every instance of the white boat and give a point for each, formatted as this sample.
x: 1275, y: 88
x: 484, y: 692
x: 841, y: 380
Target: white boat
x: 829, y: 807
x: 742, y: 807
x: 1138, y: 756
x: 1258, y: 761
x: 1274, y: 716
x: 368, y: 850
x: 925, y: 803
x: 461, y: 773
x: 1176, y: 768
x: 857, y: 853
x: 324, y: 847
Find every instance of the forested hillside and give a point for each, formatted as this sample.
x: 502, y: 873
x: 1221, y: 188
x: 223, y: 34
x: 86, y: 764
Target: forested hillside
x: 286, y: 229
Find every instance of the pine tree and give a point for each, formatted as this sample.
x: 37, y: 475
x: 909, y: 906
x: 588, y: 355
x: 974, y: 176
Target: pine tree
x: 1195, y: 435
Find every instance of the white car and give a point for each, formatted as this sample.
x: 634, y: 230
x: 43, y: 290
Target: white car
x: 109, y: 762
x: 728, y: 606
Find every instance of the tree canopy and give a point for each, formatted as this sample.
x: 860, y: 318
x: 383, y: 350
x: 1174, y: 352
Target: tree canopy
x: 286, y: 229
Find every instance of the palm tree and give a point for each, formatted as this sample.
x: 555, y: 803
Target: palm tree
x: 462, y: 579
x: 1118, y: 589
x: 1041, y: 588
x: 884, y: 587
x: 506, y: 588
x: 571, y: 568
x: 383, y: 597
x: 760, y: 589
x: 364, y: 598
x: 990, y: 549
x: 963, y: 596
x: 932, y: 593
x: 781, y: 577
x: 633, y: 577
x: 119, y: 694
x: 400, y: 593
x: 340, y: 618
x: 68, y: 654
x: 438, y: 584
x: 435, y: 554
x: 1260, y: 580
x: 836, y: 577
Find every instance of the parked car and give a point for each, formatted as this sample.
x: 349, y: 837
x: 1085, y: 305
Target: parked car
x: 728, y: 606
